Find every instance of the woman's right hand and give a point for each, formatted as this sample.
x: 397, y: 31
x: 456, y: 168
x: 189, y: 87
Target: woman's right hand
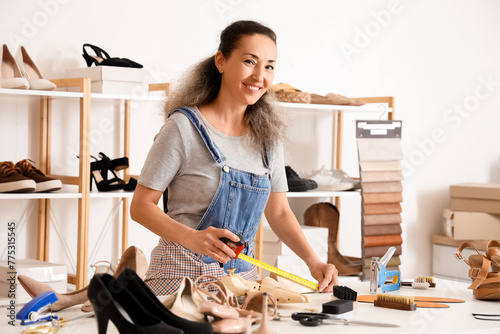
x: 206, y: 242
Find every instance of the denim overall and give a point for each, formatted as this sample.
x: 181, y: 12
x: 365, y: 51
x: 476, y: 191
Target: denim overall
x: 239, y: 202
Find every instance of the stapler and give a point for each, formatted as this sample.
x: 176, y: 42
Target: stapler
x: 34, y: 311
x: 379, y: 274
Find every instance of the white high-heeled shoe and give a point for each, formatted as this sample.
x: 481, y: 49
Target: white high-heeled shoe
x: 31, y: 72
x: 10, y: 74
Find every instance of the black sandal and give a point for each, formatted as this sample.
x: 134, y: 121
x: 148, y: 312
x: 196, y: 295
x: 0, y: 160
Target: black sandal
x: 102, y: 58
x: 117, y: 165
x: 97, y: 169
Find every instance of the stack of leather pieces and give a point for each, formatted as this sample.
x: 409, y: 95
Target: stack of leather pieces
x: 381, y: 177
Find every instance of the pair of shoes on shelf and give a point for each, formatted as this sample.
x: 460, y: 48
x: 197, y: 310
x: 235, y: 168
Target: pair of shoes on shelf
x: 133, y: 308
x: 332, y: 179
x: 23, y: 177
x: 287, y: 93
x: 102, y: 58
x: 133, y: 258
x: 484, y: 270
x: 21, y: 72
x: 99, y: 173
x: 296, y: 183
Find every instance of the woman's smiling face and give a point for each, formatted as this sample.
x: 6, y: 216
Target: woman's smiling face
x: 249, y: 70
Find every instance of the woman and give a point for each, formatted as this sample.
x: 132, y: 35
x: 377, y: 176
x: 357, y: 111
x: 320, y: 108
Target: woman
x: 220, y: 155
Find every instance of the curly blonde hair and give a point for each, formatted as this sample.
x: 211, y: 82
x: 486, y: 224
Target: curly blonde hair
x: 265, y: 120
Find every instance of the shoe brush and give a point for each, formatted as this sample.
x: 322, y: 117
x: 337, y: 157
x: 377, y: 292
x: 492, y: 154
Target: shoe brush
x: 406, y: 303
x: 421, y: 282
x: 345, y: 293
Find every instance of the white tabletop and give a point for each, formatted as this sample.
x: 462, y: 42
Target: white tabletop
x: 456, y: 319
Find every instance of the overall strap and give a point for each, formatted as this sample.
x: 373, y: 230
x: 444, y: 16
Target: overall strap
x: 212, y: 147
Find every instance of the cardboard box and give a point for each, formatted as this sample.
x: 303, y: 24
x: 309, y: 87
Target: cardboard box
x: 444, y: 262
x: 316, y: 236
x: 446, y: 265
x: 290, y: 263
x: 471, y: 225
x: 112, y: 79
x: 475, y: 197
x: 54, y: 275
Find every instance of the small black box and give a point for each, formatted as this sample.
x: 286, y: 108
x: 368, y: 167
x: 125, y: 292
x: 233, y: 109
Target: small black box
x: 337, y: 306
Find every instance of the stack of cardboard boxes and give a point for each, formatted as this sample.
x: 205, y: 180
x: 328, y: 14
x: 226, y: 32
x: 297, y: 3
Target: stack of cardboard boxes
x: 474, y: 215
x: 277, y: 254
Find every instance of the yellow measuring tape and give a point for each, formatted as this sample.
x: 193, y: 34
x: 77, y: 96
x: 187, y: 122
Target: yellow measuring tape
x: 279, y: 272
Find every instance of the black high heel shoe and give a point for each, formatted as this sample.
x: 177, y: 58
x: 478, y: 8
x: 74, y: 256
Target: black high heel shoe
x: 146, y: 297
x: 98, y: 173
x: 117, y: 165
x: 110, y: 299
x: 102, y: 58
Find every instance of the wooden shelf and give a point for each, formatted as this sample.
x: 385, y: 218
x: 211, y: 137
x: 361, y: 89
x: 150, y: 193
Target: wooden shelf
x: 369, y: 107
x: 64, y: 94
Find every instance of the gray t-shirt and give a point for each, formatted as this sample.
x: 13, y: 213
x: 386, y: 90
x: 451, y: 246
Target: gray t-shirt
x: 180, y: 160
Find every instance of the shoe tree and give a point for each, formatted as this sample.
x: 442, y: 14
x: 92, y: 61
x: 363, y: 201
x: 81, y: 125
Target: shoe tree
x: 281, y: 293
x: 291, y: 285
x: 238, y: 285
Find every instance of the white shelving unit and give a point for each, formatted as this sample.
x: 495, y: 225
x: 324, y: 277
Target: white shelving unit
x: 77, y: 187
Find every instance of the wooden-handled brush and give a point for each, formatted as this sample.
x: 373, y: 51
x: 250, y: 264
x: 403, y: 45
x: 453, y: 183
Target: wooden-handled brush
x: 406, y: 303
x: 421, y: 301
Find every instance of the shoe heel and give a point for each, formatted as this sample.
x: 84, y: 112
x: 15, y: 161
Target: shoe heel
x: 102, y: 321
x: 89, y: 60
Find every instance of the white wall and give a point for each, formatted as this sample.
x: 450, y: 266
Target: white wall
x: 440, y: 59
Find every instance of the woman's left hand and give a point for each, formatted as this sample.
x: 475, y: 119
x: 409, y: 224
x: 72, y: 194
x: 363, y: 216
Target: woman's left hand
x: 326, y: 274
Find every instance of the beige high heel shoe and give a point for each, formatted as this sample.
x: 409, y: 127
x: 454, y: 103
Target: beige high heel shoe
x: 253, y: 303
x: 31, y: 72
x: 133, y: 257
x: 222, y: 304
x: 185, y: 301
x: 10, y: 74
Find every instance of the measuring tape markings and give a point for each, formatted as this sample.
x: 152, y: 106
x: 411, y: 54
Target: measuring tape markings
x: 278, y: 271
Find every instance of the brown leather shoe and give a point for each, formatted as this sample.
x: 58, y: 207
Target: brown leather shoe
x: 327, y: 215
